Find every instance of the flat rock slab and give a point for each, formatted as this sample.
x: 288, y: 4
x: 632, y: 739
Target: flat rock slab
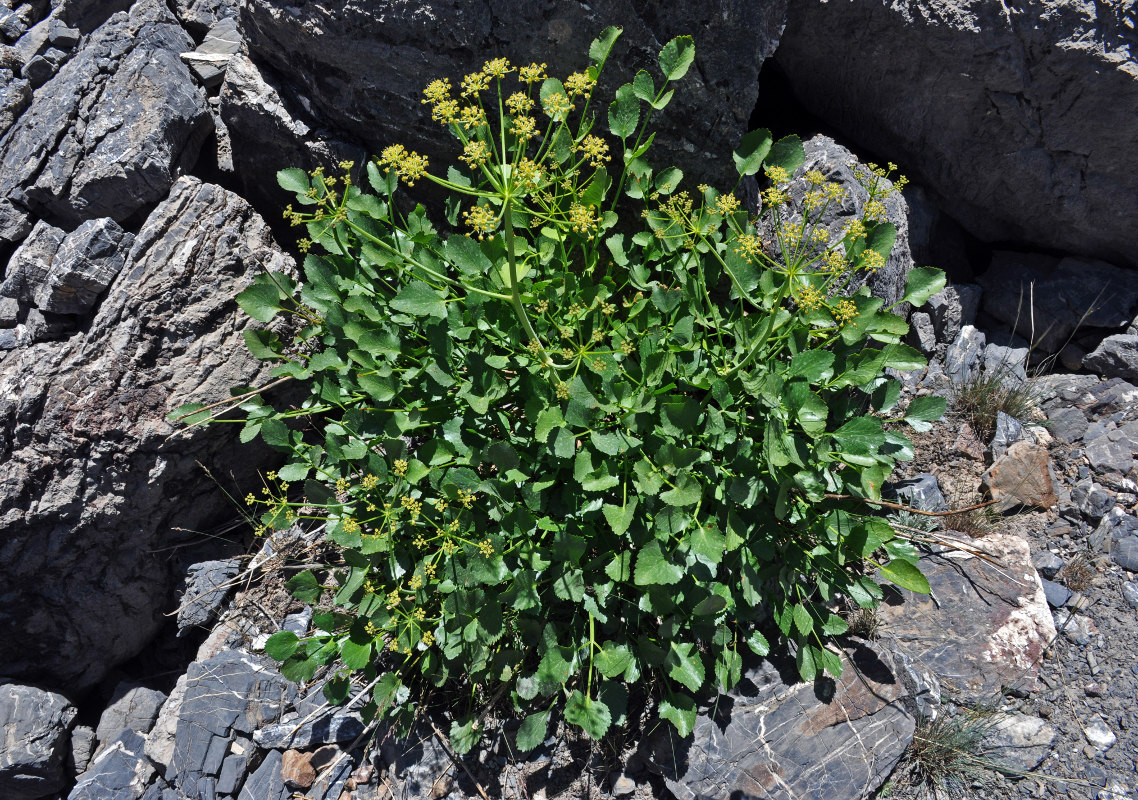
x: 32, y: 750
x: 1022, y: 477
x: 983, y: 627
x: 120, y: 772
x: 772, y: 737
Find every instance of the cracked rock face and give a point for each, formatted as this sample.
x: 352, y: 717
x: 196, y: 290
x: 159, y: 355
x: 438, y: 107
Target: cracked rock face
x: 773, y: 737
x: 36, y: 725
x: 108, y: 135
x: 366, y: 61
x: 91, y: 481
x: 1019, y: 116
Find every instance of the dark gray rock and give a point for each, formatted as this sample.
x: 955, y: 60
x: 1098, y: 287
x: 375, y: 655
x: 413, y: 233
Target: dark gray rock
x: 160, y: 741
x: 198, y: 16
x: 774, y: 739
x: 1115, y: 357
x: 952, y: 308
x: 983, y: 627
x: 328, y: 728
x: 921, y: 491
x: 9, y: 312
x: 1046, y: 300
x: 365, y: 73
x: 922, y: 334
x: 15, y: 96
x: 31, y: 263
x: 1057, y: 594
x: 1107, y: 456
x: 1007, y: 364
x: 232, y: 774
x: 83, y: 743
x: 1067, y: 424
x: 133, y: 708
x: 13, y: 22
x: 40, y: 326
x: 962, y: 358
x: 62, y: 35
x: 209, y: 60
x: 207, y: 586
x: 32, y: 43
x: 1125, y: 553
x: 124, y: 116
x: 1047, y: 563
x: 842, y: 167
x: 1032, y: 141
x: 120, y: 771
x: 1092, y: 500
x: 266, y: 783
x: 86, y: 15
x: 231, y: 694
x: 38, y: 71
x: 33, y: 750
x: 1130, y: 593
x: 87, y: 261
x: 1009, y: 430
x: 91, y: 482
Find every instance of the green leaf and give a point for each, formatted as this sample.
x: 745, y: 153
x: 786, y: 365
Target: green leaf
x: 752, y: 150
x: 590, y: 715
x: 643, y: 86
x: 921, y: 284
x: 709, y: 606
x: 679, y: 709
x: 465, y: 253
x: 305, y: 587
x: 600, y: 47
x: 903, y: 358
x: 906, y: 575
x: 708, y: 543
x: 465, y: 733
x: 802, y: 619
x: 687, y: 492
x: 293, y: 180
x: 815, y: 366
x: 926, y: 409
x: 620, y: 517
x: 531, y: 732
x: 613, y: 659
x: 624, y: 112
x: 758, y: 644
x: 620, y: 568
x: 281, y: 645
x: 190, y: 413
x: 677, y: 57
x: 881, y: 237
x: 263, y: 344
x: 807, y: 664
x: 654, y: 568
x: 788, y: 154
x: 685, y: 665
x: 354, y: 655
x: 419, y: 300
x: 261, y: 301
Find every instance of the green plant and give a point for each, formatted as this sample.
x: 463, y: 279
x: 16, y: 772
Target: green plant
x: 607, y: 434
x: 947, y: 753
x: 983, y: 394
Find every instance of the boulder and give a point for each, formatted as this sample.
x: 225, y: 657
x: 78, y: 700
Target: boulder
x: 207, y: 585
x: 123, y: 116
x: 33, y: 750
x: 365, y: 71
x: 92, y: 482
x: 15, y: 96
x: 209, y: 61
x: 120, y: 771
x: 775, y: 737
x: 983, y: 627
x: 87, y: 260
x: 30, y: 265
x: 133, y: 708
x: 1018, y: 117
x: 1115, y: 357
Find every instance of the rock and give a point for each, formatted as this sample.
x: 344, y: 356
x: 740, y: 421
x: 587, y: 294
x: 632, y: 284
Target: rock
x: 62, y: 35
x: 1007, y: 364
x: 209, y: 60
x: 1018, y: 742
x: 1124, y: 552
x: 229, y: 695
x: 83, y: 743
x: 1115, y: 790
x: 1076, y: 628
x: 124, y: 116
x: 15, y: 96
x: 326, y: 729
x: 962, y: 358
x: 922, y: 335
x: 1047, y: 563
x: 297, y: 770
x: 1009, y: 430
x: 85, y: 15
x: 13, y: 23
x: 133, y: 708
x: 1071, y: 357
x: 90, y: 481
x: 33, y: 42
x: 1047, y: 300
x: 200, y: 15
x: 1033, y: 138
x: 232, y: 773
x: 966, y: 443
x: 1130, y: 593
x: 622, y: 785
x: 386, y: 57
x: 984, y: 627
x: 298, y: 622
x: 160, y: 741
x: 121, y: 771
x: 9, y: 312
x: 1092, y: 500
x: 33, y: 749
x: 921, y: 491
x: 31, y: 263
x: 207, y: 586
x: 87, y: 261
x: 1021, y: 477
x: 952, y: 308
x: 1057, y: 594
x: 267, y: 783
x: 1108, y: 456
x: 1067, y: 424
x: 1099, y: 734
x: 777, y: 739
x: 38, y: 71
x: 1115, y: 357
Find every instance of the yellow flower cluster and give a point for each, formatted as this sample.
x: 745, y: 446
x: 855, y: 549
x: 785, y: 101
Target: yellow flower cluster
x: 875, y: 210
x: 595, y: 150
x: 472, y: 117
x: 583, y: 219
x: 834, y: 260
x: 369, y: 482
x: 845, y: 311
x: 412, y: 505
x: 871, y: 261
x: 726, y: 204
x: 409, y: 165
x: 811, y: 298
x: 465, y: 498
x: 486, y: 547
x: 399, y: 467
x: 482, y: 219
x: 437, y: 91
x: 750, y: 247
x: 475, y: 152
x: 777, y: 175
x: 579, y: 83
x: 474, y: 83
x: 497, y: 68
x: 774, y: 197
x: 519, y: 103
x: 528, y: 174
x: 534, y: 73
x: 525, y: 128
x: 556, y: 105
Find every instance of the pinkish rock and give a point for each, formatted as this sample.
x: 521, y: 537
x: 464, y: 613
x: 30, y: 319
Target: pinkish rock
x: 1022, y: 477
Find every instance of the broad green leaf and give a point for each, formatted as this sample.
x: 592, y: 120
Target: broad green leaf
x: 677, y: 57
x: 709, y: 606
x: 600, y: 47
x: 906, y: 575
x: 752, y: 150
x: 807, y: 663
x: 465, y: 733
x: 354, y: 655
x: 419, y: 300
x: 921, y: 284
x: 860, y: 435
x: 687, y: 492
x: 758, y: 644
x: 624, y: 112
x: 816, y: 366
x: 708, y: 543
x: 903, y: 358
x: 802, y: 619
x: 531, y: 732
x: 620, y: 517
x: 263, y: 344
x: 466, y: 254
x: 679, y: 709
x: 788, y: 154
x: 613, y: 659
x: 881, y: 238
x: 654, y: 568
x: 190, y: 413
x: 685, y: 665
x: 590, y: 715
x: 926, y: 409
x: 620, y: 568
x: 305, y: 587
x: 293, y: 180
x: 281, y: 645
x: 643, y: 86
x: 261, y: 301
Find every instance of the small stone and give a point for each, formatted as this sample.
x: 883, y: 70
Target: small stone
x: 921, y: 491
x: 962, y: 358
x: 966, y: 443
x: 922, y: 334
x: 1099, y: 734
x: 1092, y: 500
x: 1125, y: 553
x: 623, y: 785
x: 1047, y: 563
x: 62, y: 36
x: 208, y: 61
x: 134, y: 708
x: 82, y: 748
x: 1130, y: 593
x: 1008, y: 431
x: 1115, y: 789
x: 1107, y: 456
x: 9, y: 312
x: 1093, y: 689
x: 1057, y: 595
x: 297, y: 770
x: 1019, y: 741
x: 38, y: 71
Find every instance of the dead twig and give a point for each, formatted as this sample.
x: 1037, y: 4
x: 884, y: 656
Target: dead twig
x: 911, y: 509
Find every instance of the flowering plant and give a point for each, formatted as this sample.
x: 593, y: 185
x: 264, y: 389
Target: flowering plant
x: 601, y: 432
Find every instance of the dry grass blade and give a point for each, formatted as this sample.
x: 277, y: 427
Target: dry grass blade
x: 981, y: 397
